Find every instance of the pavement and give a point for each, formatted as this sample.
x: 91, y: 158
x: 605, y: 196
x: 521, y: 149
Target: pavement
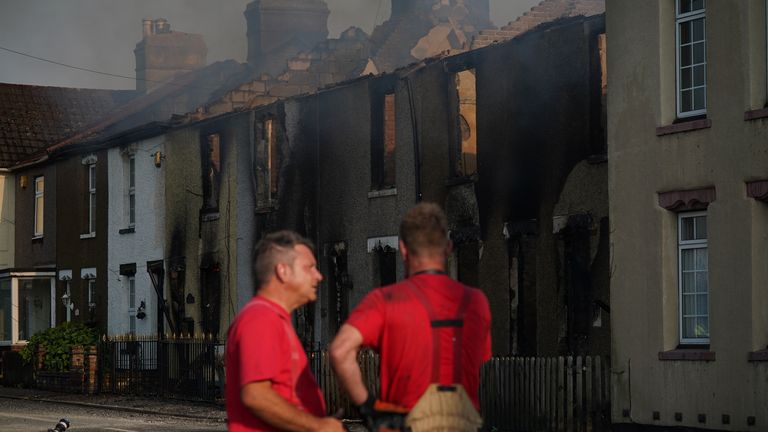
x: 210, y: 411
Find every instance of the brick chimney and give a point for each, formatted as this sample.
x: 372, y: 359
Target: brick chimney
x: 162, y: 54
x: 280, y: 29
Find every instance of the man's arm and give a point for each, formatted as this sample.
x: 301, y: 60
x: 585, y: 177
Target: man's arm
x: 269, y: 406
x: 344, y: 349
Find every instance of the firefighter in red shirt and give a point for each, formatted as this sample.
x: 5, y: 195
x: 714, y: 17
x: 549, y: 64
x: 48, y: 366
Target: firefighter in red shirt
x: 432, y: 332
x: 269, y: 385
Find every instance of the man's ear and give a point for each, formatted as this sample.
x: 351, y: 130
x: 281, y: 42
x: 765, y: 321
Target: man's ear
x: 449, y: 248
x: 403, y: 250
x: 281, y: 271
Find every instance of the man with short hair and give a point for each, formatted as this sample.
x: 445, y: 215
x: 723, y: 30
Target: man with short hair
x: 269, y: 385
x: 433, y: 334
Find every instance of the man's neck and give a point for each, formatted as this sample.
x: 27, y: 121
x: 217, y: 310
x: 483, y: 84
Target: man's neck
x: 274, y: 296
x: 425, y: 264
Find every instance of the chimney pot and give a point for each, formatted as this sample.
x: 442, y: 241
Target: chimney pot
x: 162, y: 26
x: 147, y: 27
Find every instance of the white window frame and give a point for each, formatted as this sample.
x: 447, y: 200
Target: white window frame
x: 680, y: 19
x: 687, y: 245
x: 92, y: 199
x: 15, y: 279
x: 39, y: 219
x: 131, y: 191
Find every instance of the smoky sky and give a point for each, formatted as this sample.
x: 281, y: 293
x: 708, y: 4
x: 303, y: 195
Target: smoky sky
x: 102, y: 34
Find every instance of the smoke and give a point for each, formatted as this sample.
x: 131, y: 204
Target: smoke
x: 101, y: 34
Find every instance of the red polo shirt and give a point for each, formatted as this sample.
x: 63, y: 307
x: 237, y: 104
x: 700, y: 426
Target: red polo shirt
x: 262, y: 345
x: 394, y: 323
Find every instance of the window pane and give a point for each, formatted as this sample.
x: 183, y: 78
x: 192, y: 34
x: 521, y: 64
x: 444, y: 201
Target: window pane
x: 697, y: 4
x: 132, y: 172
x: 689, y: 326
x: 39, y: 185
x: 686, y: 78
x: 92, y: 176
x: 702, y: 327
x: 685, y: 32
x: 702, y: 304
x: 698, y: 76
x: 131, y: 293
x: 686, y: 228
x: 698, y: 29
x: 5, y: 310
x: 686, y: 55
x: 702, y: 282
x: 132, y: 209
x: 701, y: 227
x: 687, y: 258
x: 699, y: 53
x: 39, y: 215
x: 689, y: 282
x: 701, y: 260
x: 34, y: 306
x: 689, y: 304
x: 93, y: 211
x: 686, y: 101
x: 699, y: 98
x: 685, y: 6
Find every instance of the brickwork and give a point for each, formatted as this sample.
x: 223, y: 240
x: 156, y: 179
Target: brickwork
x: 546, y: 11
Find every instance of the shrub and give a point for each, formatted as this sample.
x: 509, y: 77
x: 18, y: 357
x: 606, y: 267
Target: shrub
x: 58, y: 342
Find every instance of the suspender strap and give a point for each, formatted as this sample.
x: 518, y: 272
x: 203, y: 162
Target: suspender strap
x: 457, y: 337
x: 457, y: 323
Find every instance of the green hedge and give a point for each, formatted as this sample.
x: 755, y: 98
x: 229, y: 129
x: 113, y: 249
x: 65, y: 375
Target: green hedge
x: 58, y: 342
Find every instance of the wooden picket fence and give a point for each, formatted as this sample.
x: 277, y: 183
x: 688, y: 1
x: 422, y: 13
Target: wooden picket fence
x: 568, y: 394
x: 562, y: 394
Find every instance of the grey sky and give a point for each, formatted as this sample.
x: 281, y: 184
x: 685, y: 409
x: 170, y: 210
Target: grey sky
x: 101, y: 34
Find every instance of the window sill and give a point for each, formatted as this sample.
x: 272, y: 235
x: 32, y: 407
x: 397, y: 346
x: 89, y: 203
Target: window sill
x: 209, y: 217
x: 687, y: 355
x: 264, y: 208
x: 686, y: 126
x: 758, y: 356
x: 382, y: 193
x: 87, y: 236
x: 756, y: 114
x: 130, y: 230
x: 37, y: 239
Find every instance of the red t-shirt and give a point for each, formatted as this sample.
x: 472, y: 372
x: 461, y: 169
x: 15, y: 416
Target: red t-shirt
x: 394, y: 322
x: 262, y: 345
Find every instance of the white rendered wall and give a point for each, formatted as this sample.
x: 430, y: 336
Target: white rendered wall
x: 146, y: 243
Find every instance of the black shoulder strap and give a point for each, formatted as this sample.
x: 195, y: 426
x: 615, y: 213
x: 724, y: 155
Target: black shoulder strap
x: 435, y: 323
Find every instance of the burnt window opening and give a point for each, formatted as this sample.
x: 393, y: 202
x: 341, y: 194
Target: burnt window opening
x: 211, y: 170
x: 464, y: 155
x: 210, y: 310
x: 385, y: 265
x: 383, y: 145
x: 267, y: 163
x: 468, y: 262
x: 339, y: 285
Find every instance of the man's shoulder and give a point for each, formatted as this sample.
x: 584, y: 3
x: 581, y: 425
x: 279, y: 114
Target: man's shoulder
x: 256, y: 311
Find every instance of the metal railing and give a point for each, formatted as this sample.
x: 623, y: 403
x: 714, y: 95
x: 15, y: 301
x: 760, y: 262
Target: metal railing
x: 189, y: 368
